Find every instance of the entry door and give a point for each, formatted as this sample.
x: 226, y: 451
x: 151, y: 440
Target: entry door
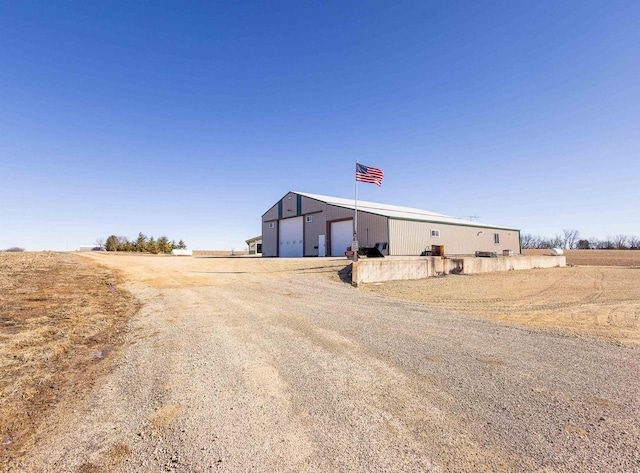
x: 341, y: 237
x: 291, y: 238
x: 322, y: 246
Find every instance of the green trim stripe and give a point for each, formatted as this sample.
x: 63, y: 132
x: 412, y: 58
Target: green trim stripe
x: 453, y: 224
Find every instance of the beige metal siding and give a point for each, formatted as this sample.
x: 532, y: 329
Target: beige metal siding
x: 411, y: 238
x: 269, y: 239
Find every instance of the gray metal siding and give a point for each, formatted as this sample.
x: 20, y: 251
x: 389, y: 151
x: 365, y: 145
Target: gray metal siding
x: 312, y: 205
x: 269, y: 239
x: 371, y: 228
x: 289, y: 205
x: 318, y: 226
x: 338, y: 213
x: 271, y: 214
x: 411, y: 238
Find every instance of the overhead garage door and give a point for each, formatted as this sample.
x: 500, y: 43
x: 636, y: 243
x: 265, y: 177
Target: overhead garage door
x: 341, y: 237
x: 291, y: 237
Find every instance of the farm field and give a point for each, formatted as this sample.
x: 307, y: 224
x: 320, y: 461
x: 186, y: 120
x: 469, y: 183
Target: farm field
x: 251, y: 364
x: 597, y: 257
x: 222, y: 253
x: 587, y: 300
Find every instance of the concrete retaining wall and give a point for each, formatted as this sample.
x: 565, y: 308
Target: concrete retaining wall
x: 393, y: 269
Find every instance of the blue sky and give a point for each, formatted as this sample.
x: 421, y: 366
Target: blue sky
x: 192, y: 119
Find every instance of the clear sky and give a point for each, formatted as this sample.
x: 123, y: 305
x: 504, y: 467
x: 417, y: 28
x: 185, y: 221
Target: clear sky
x: 192, y: 119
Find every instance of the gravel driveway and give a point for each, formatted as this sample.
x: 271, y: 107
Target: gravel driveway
x: 267, y: 365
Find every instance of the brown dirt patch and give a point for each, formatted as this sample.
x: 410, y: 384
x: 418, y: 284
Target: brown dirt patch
x: 596, y: 257
x: 161, y: 418
x: 590, y: 300
x: 61, y: 317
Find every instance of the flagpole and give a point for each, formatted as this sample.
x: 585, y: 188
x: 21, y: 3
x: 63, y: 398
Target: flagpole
x: 355, y: 217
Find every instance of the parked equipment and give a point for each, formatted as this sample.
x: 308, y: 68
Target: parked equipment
x: 437, y: 250
x: 379, y: 250
x: 486, y: 254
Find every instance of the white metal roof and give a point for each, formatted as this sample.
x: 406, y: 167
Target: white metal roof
x: 259, y: 237
x: 395, y: 211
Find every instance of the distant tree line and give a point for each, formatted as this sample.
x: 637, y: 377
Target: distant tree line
x: 14, y: 249
x: 570, y: 240
x: 142, y: 244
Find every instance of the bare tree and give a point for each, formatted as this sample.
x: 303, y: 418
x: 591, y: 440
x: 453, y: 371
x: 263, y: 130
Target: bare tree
x: 570, y: 239
x: 634, y: 242
x: 556, y: 242
x: 526, y: 241
x: 607, y: 244
x: 594, y: 243
x: 620, y: 242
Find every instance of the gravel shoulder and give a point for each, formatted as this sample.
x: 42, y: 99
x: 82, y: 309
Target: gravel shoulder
x: 249, y: 364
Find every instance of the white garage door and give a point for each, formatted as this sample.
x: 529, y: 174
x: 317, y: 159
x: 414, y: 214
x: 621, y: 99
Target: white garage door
x: 341, y: 237
x: 291, y: 237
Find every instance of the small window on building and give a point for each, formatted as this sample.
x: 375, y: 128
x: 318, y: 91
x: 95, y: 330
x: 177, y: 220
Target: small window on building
x: 496, y: 238
x: 272, y: 224
x: 309, y: 218
x: 435, y: 233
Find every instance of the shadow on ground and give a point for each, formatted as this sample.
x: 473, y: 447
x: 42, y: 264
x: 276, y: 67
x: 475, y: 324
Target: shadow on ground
x: 345, y: 274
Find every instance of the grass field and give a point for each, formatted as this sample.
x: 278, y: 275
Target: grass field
x: 60, y: 317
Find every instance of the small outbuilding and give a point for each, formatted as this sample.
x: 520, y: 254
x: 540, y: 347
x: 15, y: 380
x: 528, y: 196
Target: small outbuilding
x: 302, y: 224
x: 255, y: 245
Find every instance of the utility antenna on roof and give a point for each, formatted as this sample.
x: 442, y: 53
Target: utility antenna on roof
x: 470, y: 217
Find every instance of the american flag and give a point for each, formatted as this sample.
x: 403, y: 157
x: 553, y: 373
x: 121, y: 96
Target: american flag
x: 369, y: 174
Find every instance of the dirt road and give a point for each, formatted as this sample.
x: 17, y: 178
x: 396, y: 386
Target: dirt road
x: 269, y: 365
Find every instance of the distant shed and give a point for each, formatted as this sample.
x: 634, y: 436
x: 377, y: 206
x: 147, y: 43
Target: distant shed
x: 302, y: 224
x: 255, y: 245
x: 179, y: 252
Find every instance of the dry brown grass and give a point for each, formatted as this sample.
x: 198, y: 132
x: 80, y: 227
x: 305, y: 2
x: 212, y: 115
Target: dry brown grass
x: 589, y: 300
x: 596, y: 257
x: 60, y: 317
